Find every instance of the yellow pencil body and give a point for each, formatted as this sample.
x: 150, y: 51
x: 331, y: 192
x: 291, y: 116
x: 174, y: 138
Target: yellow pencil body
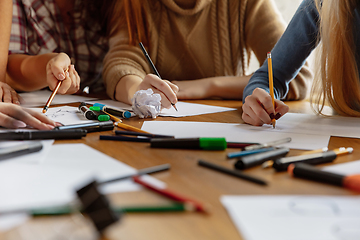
x: 271, y: 84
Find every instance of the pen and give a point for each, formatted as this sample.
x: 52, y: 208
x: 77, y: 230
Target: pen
x: 282, y: 164
x: 47, y: 105
x: 270, y: 163
x: 18, y: 150
x: 189, y: 143
x: 258, y: 158
x: 231, y: 172
x: 89, y: 127
x: 140, y: 172
x: 43, y: 134
x: 306, y: 171
x: 113, y: 111
x: 124, y: 138
x: 117, y: 132
x: 271, y: 84
x: 249, y: 152
x: 268, y: 144
x: 192, y: 204
x: 152, y: 65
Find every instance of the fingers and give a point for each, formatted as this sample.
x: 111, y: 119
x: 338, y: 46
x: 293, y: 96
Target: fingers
x: 14, y: 116
x: 8, y: 94
x: 166, y: 89
x: 71, y: 83
x: 258, y: 108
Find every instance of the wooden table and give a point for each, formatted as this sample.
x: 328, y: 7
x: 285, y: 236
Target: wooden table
x: 202, y: 184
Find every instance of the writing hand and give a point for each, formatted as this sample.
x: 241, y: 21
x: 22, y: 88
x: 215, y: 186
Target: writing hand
x: 165, y: 88
x: 56, y: 70
x: 258, y: 108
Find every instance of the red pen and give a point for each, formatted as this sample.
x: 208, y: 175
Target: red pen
x: 172, y: 195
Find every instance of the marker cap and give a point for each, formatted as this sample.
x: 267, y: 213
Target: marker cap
x: 103, y: 118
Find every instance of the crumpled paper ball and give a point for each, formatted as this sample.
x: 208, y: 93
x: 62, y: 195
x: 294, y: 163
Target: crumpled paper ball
x: 146, y: 103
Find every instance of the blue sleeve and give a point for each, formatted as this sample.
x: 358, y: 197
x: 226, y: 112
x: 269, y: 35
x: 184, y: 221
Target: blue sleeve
x: 290, y: 52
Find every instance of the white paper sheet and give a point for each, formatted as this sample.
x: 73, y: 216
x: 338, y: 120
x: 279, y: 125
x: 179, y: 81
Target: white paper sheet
x: 39, y: 98
x: 82, y: 157
x: 295, y: 217
x: 184, y: 108
x: 66, y: 115
x: 348, y: 168
x: 234, y: 133
x: 25, y: 186
x: 32, y: 158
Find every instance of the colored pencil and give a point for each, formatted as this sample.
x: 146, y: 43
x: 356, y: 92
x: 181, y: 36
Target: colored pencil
x: 47, y: 105
x: 192, y: 204
x: 271, y: 84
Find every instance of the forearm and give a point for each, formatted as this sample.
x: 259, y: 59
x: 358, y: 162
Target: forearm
x: 228, y: 87
x: 126, y: 88
x: 28, y: 73
x: 5, y: 29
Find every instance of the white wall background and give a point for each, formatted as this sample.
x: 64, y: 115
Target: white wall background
x: 287, y: 9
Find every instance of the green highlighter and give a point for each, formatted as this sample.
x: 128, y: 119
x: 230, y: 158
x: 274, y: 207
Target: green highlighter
x: 189, y: 143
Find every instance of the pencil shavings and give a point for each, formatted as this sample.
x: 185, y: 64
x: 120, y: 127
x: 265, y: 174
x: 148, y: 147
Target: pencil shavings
x: 146, y: 103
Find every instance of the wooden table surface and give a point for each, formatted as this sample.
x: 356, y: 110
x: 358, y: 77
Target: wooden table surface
x: 189, y: 179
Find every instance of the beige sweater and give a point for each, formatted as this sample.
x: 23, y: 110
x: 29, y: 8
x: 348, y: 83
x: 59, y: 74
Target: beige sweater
x: 213, y: 38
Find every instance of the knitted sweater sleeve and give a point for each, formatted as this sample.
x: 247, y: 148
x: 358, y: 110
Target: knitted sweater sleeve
x: 122, y: 59
x: 263, y: 28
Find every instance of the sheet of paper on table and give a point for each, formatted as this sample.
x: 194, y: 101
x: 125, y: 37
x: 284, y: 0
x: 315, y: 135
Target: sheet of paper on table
x: 295, y: 217
x: 39, y: 98
x: 184, y: 108
x: 234, y: 132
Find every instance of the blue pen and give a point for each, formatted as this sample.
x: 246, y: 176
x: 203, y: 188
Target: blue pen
x: 113, y: 111
x: 244, y: 153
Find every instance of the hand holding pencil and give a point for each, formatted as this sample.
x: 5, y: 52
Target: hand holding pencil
x: 261, y: 107
x: 167, y: 91
x: 61, y: 77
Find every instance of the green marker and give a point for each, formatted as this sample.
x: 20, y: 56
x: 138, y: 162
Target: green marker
x: 190, y: 143
x: 65, y: 210
x: 100, y: 117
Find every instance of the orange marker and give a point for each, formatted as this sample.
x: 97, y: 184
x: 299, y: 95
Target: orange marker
x: 307, y: 171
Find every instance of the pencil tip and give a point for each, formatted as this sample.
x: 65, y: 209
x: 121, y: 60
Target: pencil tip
x: 44, y: 110
x: 174, y: 106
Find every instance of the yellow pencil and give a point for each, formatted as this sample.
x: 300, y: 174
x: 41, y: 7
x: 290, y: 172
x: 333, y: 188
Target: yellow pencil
x: 271, y: 84
x: 118, y: 123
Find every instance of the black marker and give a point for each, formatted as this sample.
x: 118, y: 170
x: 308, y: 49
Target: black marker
x: 189, y: 143
x: 258, y: 158
x: 89, y: 114
x: 45, y: 134
x: 89, y: 127
x: 18, y: 150
x: 235, y: 173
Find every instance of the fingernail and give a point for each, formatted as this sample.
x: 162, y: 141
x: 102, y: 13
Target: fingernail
x: 277, y: 116
x: 272, y: 116
x: 58, y: 124
x: 19, y: 124
x: 50, y: 126
x: 61, y: 76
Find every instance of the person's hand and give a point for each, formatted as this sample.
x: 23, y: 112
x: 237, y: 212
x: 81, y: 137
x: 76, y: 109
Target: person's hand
x: 258, y: 108
x: 59, y: 68
x: 8, y: 94
x: 166, y: 89
x: 194, y: 89
x: 15, y: 116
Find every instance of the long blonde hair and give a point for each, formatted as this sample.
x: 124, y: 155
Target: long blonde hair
x: 337, y: 80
